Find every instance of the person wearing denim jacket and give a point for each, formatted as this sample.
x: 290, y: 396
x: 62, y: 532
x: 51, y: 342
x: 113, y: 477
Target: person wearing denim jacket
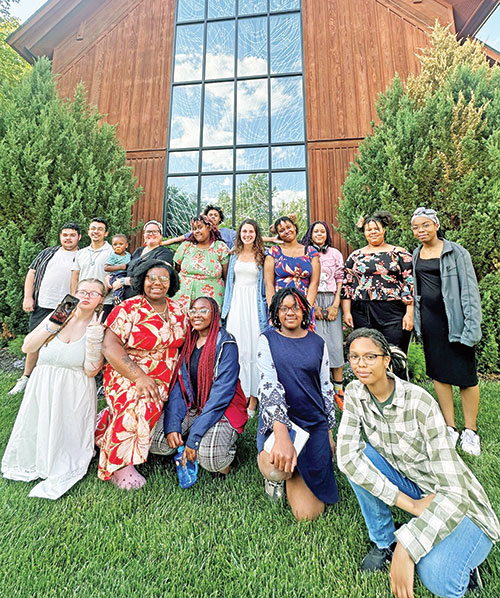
x: 244, y: 312
x: 448, y: 317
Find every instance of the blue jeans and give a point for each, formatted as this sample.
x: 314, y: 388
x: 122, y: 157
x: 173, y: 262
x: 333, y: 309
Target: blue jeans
x: 445, y: 570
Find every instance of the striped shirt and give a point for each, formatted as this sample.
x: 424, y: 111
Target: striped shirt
x: 39, y: 265
x: 412, y: 435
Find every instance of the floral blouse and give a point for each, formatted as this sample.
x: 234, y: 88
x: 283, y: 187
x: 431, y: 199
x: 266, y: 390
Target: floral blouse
x: 382, y: 276
x: 292, y: 271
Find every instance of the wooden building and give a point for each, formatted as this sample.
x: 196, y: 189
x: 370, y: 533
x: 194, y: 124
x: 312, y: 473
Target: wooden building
x: 123, y: 51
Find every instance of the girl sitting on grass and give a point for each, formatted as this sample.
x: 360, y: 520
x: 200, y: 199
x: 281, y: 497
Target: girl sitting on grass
x: 394, y: 447
x: 295, y: 387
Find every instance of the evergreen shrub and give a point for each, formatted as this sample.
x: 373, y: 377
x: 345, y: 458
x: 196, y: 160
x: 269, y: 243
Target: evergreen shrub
x: 437, y: 144
x: 58, y: 162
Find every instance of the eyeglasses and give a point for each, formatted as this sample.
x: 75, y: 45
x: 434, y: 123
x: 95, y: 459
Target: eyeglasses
x: 203, y: 311
x: 425, y: 226
x: 93, y: 294
x: 151, y: 233
x: 368, y: 358
x: 283, y: 309
x: 155, y: 278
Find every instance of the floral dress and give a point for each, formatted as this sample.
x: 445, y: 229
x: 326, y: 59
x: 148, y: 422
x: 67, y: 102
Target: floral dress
x: 201, y: 271
x: 292, y: 271
x: 125, y: 427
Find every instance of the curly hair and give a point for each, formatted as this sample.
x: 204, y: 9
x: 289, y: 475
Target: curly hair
x: 397, y: 363
x: 141, y: 270
x: 383, y: 217
x: 307, y: 238
x: 281, y: 219
x: 214, y: 232
x: 216, y: 208
x: 258, y: 244
x: 300, y: 300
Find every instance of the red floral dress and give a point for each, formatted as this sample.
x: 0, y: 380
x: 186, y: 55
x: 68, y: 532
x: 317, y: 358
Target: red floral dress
x: 125, y: 427
x: 201, y: 271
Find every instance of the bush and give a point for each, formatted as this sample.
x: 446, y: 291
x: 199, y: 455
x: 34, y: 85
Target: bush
x: 437, y: 145
x: 416, y: 363
x: 57, y: 163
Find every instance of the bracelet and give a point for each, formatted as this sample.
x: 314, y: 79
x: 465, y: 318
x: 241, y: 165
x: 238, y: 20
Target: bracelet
x: 51, y: 331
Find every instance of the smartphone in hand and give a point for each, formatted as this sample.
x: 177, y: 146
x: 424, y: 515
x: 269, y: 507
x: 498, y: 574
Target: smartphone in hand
x: 63, y: 311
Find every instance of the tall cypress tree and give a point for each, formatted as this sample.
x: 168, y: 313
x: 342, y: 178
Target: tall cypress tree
x: 438, y: 145
x: 57, y: 163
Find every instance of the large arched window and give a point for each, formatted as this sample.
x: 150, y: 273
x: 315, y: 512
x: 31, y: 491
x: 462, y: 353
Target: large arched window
x: 237, y: 123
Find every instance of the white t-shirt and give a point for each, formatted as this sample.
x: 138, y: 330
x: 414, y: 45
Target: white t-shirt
x: 56, y: 280
x: 90, y: 262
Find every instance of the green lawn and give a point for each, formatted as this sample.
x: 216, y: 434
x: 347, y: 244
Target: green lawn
x: 219, y: 538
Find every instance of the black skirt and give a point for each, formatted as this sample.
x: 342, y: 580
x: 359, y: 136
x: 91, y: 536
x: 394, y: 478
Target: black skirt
x: 449, y: 363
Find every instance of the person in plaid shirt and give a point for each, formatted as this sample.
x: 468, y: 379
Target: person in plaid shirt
x: 394, y: 447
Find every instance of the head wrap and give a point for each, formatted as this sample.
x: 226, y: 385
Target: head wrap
x: 158, y: 224
x: 426, y: 213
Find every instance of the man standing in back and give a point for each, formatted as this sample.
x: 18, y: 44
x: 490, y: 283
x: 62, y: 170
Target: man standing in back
x: 90, y: 261
x: 47, y: 282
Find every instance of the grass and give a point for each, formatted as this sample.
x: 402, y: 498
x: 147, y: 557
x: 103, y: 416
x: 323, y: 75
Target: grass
x: 221, y: 538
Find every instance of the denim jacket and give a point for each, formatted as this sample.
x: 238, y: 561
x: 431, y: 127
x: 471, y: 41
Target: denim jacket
x: 261, y: 295
x: 460, y: 292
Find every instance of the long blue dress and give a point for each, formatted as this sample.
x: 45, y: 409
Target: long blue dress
x: 295, y: 387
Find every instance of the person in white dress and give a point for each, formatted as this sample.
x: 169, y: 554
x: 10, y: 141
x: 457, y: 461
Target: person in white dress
x: 245, y: 310
x: 53, y: 435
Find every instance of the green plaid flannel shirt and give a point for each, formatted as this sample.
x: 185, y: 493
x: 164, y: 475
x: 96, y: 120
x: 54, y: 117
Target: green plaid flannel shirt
x: 412, y: 435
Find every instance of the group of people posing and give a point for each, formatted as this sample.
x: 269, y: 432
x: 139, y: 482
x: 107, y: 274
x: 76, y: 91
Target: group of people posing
x: 198, y: 340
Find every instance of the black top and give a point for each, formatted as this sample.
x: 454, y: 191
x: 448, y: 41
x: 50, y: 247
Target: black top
x: 193, y: 371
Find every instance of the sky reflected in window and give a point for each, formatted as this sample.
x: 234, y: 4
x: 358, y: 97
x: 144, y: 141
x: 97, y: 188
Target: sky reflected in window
x: 241, y: 106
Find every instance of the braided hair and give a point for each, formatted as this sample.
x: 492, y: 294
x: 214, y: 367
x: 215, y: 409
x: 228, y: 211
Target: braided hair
x: 207, y: 357
x: 300, y: 300
x: 398, y: 361
x: 214, y: 232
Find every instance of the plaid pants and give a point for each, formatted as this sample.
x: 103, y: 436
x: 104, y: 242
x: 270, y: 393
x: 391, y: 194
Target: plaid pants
x: 217, y: 447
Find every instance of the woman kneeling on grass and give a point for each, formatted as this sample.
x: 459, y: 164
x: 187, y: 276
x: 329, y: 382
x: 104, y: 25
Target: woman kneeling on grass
x: 408, y: 460
x: 295, y: 388
x: 206, y: 405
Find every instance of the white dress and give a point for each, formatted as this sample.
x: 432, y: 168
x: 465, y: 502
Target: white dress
x: 53, y: 435
x: 243, y: 323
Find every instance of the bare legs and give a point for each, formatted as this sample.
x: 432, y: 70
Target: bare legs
x: 30, y: 363
x: 302, y: 501
x: 470, y: 403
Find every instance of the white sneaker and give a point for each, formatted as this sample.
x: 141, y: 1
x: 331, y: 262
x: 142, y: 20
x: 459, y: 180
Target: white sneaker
x: 453, y: 434
x: 275, y: 490
x: 470, y: 442
x: 20, y: 385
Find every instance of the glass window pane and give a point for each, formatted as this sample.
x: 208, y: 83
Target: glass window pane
x: 182, y: 162
x: 217, y: 160
x: 276, y: 5
x: 220, y: 50
x: 286, y: 54
x: 218, y: 190
x: 252, y: 46
x: 180, y: 204
x: 188, y: 53
x: 289, y: 197
x: 190, y: 10
x: 252, y: 158
x: 252, y: 112
x: 220, y: 8
x: 287, y: 115
x: 219, y: 114
x: 289, y: 156
x: 252, y: 7
x: 185, y: 123
x: 252, y: 199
